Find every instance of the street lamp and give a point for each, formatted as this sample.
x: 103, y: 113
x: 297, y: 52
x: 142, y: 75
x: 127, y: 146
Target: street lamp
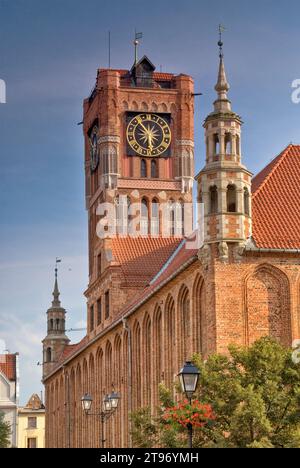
x: 87, y: 402
x: 189, y: 378
x: 110, y: 405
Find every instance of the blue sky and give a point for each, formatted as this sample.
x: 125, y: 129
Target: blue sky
x: 49, y: 53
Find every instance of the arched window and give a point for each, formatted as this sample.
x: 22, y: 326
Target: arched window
x: 246, y: 202
x: 154, y: 170
x: 155, y: 226
x: 216, y: 144
x: 213, y: 200
x: 185, y: 320
x: 144, y: 217
x: 172, y: 208
x: 57, y: 324
x: 182, y: 217
x: 147, y: 359
x: 143, y: 169
x: 238, y: 146
x: 228, y: 144
x: 170, y: 341
x: 49, y: 355
x: 51, y: 325
x: 231, y: 199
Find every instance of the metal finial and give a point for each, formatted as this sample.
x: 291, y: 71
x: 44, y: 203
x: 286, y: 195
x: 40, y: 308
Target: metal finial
x: 220, y: 43
x: 136, y: 42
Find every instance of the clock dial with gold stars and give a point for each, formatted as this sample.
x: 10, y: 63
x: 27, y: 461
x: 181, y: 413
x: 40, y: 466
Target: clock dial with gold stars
x: 149, y: 135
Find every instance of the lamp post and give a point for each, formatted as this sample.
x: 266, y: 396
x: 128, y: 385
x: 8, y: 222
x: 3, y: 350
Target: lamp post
x: 189, y: 378
x: 110, y: 405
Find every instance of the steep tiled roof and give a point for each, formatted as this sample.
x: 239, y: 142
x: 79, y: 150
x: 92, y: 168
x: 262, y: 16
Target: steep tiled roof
x: 185, y: 252
x: 276, y: 202
x: 8, y: 366
x: 141, y: 258
x: 71, y: 349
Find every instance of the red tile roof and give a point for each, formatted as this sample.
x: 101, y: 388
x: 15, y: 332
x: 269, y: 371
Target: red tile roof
x: 141, y: 258
x: 276, y: 202
x: 184, y: 253
x: 8, y: 366
x: 71, y: 349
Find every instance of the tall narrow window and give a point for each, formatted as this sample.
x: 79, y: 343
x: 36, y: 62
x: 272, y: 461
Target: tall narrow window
x: 172, y: 208
x: 154, y: 171
x: 228, y: 143
x: 143, y: 169
x: 49, y: 355
x: 99, y: 312
x: 155, y: 227
x: 216, y: 144
x: 238, y: 146
x: 92, y: 323
x: 246, y: 202
x: 107, y: 305
x: 231, y: 199
x: 213, y: 200
x: 99, y: 264
x: 144, y: 217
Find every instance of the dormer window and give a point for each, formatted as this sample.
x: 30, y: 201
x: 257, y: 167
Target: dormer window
x: 142, y: 73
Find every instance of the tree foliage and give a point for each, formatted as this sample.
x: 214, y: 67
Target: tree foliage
x: 4, y: 432
x: 255, y: 396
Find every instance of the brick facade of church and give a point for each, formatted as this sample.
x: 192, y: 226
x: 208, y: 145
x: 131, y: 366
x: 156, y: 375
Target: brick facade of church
x: 154, y: 302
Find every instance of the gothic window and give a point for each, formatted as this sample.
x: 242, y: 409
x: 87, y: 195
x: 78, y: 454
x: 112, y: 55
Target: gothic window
x: 213, y: 200
x: 246, y: 202
x: 172, y: 206
x: 99, y: 311
x: 185, y: 329
x: 92, y: 318
x: 143, y: 169
x: 144, y: 217
x: 49, y: 355
x: 154, y: 171
x: 216, y: 144
x: 170, y: 340
x: 182, y: 216
x: 155, y: 225
x: 107, y: 305
x: 99, y: 264
x: 147, y: 359
x: 231, y: 199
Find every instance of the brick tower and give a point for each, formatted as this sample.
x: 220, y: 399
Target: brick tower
x: 224, y: 185
x: 139, y: 160
x: 56, y: 339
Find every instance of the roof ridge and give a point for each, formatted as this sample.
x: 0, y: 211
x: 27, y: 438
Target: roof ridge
x: 281, y: 157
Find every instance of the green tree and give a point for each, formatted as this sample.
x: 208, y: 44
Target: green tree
x: 255, y: 396
x: 4, y: 432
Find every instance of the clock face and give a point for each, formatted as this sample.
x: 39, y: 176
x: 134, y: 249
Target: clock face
x: 149, y: 135
x: 94, y: 145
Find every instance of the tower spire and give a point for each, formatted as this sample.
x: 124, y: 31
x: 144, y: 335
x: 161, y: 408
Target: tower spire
x: 56, y: 293
x: 222, y: 87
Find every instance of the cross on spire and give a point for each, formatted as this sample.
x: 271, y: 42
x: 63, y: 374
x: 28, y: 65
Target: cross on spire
x: 220, y: 43
x: 56, y: 293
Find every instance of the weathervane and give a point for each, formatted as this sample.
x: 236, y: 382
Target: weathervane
x: 220, y: 43
x: 137, y: 38
x: 57, y: 261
